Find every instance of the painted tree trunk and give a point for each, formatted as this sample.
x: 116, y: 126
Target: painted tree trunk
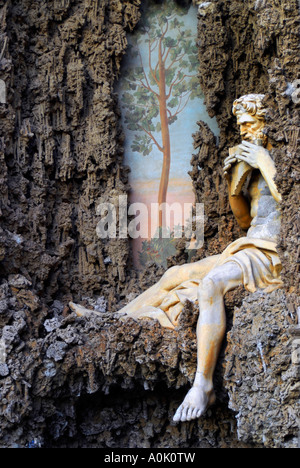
x: 165, y: 175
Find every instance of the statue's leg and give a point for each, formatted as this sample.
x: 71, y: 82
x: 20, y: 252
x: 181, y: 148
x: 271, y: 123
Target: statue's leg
x: 171, y: 279
x: 210, y: 333
x: 155, y: 295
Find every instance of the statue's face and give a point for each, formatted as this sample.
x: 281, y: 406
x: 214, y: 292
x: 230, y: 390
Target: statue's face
x: 250, y: 127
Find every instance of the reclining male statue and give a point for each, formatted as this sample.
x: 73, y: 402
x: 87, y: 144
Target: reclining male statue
x: 251, y: 261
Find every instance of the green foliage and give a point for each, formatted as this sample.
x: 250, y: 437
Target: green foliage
x: 161, y: 28
x: 158, y: 250
x: 142, y: 145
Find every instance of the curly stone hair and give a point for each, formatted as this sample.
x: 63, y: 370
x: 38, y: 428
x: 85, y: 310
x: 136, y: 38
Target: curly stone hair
x: 252, y: 104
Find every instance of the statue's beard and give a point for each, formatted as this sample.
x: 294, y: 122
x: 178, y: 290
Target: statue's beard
x: 259, y: 138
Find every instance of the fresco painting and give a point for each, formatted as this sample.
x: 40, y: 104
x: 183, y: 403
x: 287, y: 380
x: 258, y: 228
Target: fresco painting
x: 161, y: 103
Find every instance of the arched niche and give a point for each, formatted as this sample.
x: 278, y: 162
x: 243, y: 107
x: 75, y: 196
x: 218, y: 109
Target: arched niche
x: 161, y: 102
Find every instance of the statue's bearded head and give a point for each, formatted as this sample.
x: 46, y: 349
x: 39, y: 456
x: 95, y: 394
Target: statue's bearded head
x: 250, y: 113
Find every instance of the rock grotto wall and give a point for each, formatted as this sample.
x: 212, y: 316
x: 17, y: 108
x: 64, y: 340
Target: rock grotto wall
x: 69, y: 382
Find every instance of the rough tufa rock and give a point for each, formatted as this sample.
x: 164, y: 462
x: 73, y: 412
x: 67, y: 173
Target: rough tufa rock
x: 100, y: 383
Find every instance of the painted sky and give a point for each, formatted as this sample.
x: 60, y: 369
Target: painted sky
x: 149, y: 167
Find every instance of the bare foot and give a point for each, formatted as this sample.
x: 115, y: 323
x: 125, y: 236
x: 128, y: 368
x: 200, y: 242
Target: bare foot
x: 195, y: 404
x: 82, y: 311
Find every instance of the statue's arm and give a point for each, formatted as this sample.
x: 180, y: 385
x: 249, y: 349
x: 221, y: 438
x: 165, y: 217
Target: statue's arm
x: 241, y: 209
x: 239, y: 204
x: 268, y: 171
x: 260, y: 158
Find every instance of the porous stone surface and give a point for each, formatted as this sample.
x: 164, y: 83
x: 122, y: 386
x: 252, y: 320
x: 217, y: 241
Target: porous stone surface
x: 261, y: 376
x: 69, y: 382
x: 100, y: 382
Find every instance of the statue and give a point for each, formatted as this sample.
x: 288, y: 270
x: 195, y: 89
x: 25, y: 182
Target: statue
x: 251, y: 261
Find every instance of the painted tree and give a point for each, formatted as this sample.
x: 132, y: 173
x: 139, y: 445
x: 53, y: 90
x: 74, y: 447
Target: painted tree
x: 161, y: 84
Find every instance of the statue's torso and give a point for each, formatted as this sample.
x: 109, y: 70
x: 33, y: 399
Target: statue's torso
x: 264, y: 210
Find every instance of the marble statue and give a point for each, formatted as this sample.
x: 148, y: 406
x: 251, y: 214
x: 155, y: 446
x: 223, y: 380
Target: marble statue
x: 251, y: 261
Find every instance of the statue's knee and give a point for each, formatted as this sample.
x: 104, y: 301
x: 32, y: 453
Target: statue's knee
x: 209, y: 288
x: 175, y: 269
x: 170, y: 274
x: 206, y: 286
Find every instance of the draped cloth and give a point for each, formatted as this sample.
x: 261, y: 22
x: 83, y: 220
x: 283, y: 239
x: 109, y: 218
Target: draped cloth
x: 258, y: 260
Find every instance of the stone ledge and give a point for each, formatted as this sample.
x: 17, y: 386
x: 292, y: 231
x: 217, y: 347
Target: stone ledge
x: 109, y: 364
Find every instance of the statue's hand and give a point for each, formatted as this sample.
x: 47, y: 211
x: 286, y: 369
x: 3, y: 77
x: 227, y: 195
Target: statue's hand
x: 254, y: 155
x: 228, y: 163
x: 260, y: 158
